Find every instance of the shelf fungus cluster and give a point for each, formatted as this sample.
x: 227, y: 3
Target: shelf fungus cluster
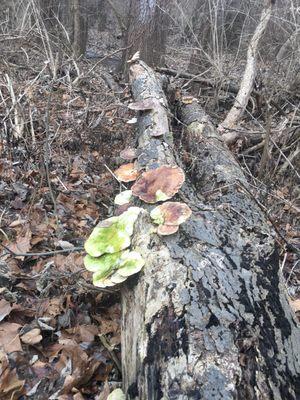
x: 109, y: 256
x: 169, y: 216
x: 158, y: 184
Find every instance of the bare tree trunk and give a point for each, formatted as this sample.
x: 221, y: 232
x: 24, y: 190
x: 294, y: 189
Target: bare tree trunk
x: 208, y: 317
x: 146, y: 31
x: 80, y: 28
x: 246, y: 86
x: 102, y: 15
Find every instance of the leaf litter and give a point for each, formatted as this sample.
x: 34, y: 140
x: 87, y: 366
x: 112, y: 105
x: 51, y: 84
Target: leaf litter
x: 59, y: 335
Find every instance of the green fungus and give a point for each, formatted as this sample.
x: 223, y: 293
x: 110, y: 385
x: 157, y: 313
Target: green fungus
x: 123, y: 197
x: 157, y: 216
x: 113, y: 234
x: 161, y: 196
x: 101, y: 282
x: 117, y: 394
x: 103, y: 265
x: 126, y: 263
x: 131, y: 263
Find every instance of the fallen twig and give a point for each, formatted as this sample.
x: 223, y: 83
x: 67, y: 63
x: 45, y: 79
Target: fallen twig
x: 46, y: 253
x: 110, y: 349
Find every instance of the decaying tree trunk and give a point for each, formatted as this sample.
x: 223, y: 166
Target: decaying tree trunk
x: 247, y: 82
x: 208, y: 317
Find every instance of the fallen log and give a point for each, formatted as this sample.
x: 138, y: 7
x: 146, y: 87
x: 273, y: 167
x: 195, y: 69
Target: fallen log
x: 228, y: 87
x: 207, y: 318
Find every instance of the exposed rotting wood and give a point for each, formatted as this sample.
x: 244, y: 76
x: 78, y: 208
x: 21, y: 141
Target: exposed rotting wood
x: 207, y: 318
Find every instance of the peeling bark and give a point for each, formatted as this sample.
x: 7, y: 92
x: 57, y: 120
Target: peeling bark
x: 208, y: 317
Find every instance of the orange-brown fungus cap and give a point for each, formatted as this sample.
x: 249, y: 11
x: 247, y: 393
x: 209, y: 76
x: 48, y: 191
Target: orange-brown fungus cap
x: 128, y: 154
x: 165, y: 230
x: 173, y: 213
x: 158, y: 184
x: 126, y: 173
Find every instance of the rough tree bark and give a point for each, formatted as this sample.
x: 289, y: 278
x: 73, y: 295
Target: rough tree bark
x: 146, y: 31
x: 79, y: 28
x: 247, y: 82
x: 208, y: 317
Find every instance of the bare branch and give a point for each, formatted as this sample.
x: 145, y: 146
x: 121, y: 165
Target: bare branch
x: 246, y: 86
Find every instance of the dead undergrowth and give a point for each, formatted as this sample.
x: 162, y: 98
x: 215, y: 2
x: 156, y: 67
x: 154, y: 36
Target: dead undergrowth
x: 60, y: 137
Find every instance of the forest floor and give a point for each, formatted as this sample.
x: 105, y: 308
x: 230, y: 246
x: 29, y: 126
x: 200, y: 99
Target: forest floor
x: 60, y: 142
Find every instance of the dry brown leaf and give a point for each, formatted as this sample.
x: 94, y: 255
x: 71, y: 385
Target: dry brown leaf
x: 83, y: 367
x: 83, y: 333
x: 22, y: 243
x: 5, y: 309
x: 9, y: 337
x: 32, y: 337
x: 11, y: 387
x: 52, y: 307
x: 78, y: 396
x: 17, y: 222
x: 104, y: 393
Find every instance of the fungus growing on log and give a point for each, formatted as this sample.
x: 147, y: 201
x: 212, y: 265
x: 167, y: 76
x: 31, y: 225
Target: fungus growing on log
x: 113, y: 234
x: 117, y: 394
x: 165, y: 230
x: 109, y: 264
x: 111, y: 269
x: 102, y: 265
x: 128, y: 154
x: 123, y: 198
x: 158, y: 184
x: 126, y: 173
x: 169, y: 216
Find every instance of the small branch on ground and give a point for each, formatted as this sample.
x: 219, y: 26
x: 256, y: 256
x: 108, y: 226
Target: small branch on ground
x: 46, y: 253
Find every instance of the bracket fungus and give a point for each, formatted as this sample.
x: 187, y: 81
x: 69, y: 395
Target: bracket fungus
x: 107, y: 258
x: 111, y: 269
x: 169, y: 216
x: 128, y: 154
x: 165, y: 230
x: 158, y: 184
x: 113, y: 234
x: 123, y: 198
x: 127, y: 173
x: 117, y: 394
